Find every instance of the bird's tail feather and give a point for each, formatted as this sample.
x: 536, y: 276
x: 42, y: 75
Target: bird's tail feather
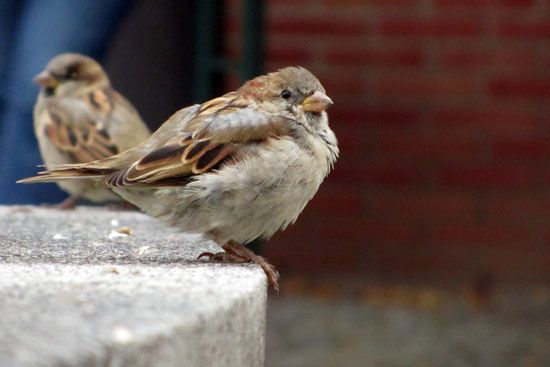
x: 66, y: 172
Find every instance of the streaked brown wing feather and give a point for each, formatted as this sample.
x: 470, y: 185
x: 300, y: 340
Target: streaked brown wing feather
x: 100, y: 100
x: 84, y: 143
x: 209, y: 139
x: 174, y: 160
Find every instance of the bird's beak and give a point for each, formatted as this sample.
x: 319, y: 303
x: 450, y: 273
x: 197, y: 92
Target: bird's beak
x: 317, y: 102
x: 45, y: 79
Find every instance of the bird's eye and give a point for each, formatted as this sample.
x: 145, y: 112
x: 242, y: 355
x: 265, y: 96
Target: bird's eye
x: 49, y: 91
x: 286, y: 94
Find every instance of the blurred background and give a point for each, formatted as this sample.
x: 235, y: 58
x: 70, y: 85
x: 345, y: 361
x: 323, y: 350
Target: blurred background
x: 429, y: 244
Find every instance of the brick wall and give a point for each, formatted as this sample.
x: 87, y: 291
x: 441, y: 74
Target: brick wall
x: 442, y: 110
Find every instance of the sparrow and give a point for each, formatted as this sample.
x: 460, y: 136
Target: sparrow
x: 235, y: 168
x: 79, y: 117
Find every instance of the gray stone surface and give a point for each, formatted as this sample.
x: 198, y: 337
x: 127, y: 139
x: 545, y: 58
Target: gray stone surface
x: 72, y: 295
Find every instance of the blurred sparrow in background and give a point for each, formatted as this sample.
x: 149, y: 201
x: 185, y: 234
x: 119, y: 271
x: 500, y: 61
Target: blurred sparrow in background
x: 79, y: 118
x: 236, y: 168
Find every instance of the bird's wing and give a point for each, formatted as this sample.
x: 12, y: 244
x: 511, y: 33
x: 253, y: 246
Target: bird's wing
x: 218, y: 129
x: 82, y: 136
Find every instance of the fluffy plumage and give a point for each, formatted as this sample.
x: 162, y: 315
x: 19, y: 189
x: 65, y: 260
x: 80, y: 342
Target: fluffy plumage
x: 237, y: 168
x: 79, y: 117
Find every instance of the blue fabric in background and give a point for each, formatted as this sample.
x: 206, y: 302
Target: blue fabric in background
x: 31, y: 33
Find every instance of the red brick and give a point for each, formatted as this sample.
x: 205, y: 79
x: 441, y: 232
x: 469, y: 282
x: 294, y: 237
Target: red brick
x: 515, y: 2
x: 499, y: 59
x: 282, y: 9
x: 481, y: 235
x: 318, y: 26
x: 339, y: 200
x: 525, y: 29
x: 331, y: 261
x: 428, y: 147
x: 295, y: 233
x: 342, y: 85
x: 233, y: 23
x: 389, y: 58
x: 287, y: 56
x: 312, y: 247
x: 423, y: 85
x: 232, y: 81
x: 285, y: 2
x: 518, y: 265
x: 352, y: 144
x: 446, y: 270
x: 488, y: 176
x: 377, y: 116
x: 525, y: 149
x: 527, y: 88
x: 416, y: 27
x: 544, y: 177
x: 355, y: 147
x: 384, y: 174
x: 319, y: 258
x: 482, y: 3
x: 370, y: 2
x: 496, y: 120
x: 528, y: 207
x: 365, y: 232
x: 422, y: 206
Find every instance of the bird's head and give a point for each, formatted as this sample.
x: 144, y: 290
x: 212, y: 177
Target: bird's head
x: 293, y: 92
x: 69, y: 73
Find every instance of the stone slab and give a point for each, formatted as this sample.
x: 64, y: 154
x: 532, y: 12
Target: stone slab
x: 71, y: 294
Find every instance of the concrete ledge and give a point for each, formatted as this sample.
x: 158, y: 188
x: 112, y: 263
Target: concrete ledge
x: 71, y: 295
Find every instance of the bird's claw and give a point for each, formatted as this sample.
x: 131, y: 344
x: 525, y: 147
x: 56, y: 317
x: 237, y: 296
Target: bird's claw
x: 236, y: 253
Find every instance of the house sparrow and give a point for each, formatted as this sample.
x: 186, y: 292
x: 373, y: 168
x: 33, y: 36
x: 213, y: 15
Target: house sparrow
x: 79, y: 117
x: 236, y: 168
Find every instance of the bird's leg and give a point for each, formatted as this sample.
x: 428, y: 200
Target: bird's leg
x: 237, y: 253
x: 68, y: 203
x: 124, y: 206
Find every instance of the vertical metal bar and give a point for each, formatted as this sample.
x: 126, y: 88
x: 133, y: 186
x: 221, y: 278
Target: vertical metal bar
x: 205, y: 28
x: 252, y: 61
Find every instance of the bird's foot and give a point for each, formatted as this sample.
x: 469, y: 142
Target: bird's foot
x: 236, y: 253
